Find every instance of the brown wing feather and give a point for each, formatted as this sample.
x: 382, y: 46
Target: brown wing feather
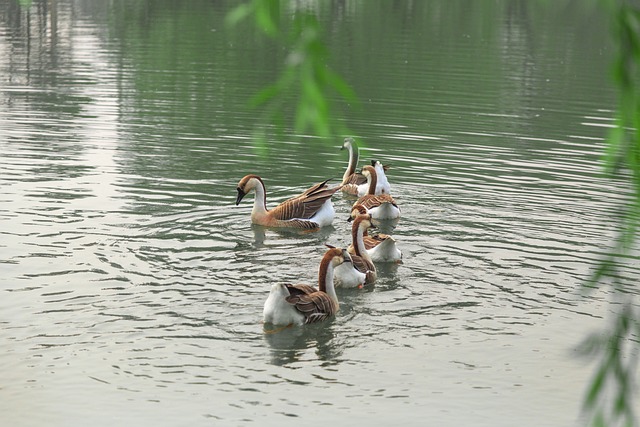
x: 351, y: 189
x: 361, y: 264
x: 350, y: 186
x: 301, y: 289
x: 314, y: 189
x: 306, y: 204
x: 316, y: 306
x: 371, y: 242
x: 370, y: 201
x: 356, y: 178
x: 298, y: 223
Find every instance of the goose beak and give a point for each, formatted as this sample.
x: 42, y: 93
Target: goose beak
x: 241, y: 194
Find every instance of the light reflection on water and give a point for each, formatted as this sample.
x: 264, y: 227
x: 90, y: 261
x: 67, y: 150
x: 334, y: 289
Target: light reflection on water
x: 134, y: 286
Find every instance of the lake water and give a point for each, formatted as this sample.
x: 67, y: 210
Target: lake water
x: 132, y: 286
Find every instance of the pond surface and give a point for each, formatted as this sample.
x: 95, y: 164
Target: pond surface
x: 132, y: 286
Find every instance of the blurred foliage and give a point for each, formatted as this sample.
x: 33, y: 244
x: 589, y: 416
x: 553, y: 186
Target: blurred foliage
x: 611, y: 396
x: 306, y: 74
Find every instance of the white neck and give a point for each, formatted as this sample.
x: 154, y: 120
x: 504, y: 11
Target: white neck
x: 260, y: 201
x: 353, y: 163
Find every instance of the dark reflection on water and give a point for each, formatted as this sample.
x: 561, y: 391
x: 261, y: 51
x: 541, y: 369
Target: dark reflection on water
x: 262, y: 235
x: 133, y: 285
x: 290, y: 345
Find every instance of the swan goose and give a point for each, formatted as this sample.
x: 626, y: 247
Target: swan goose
x: 361, y: 260
x: 355, y: 183
x: 381, y: 247
x: 381, y: 206
x: 301, y: 304
x: 310, y: 210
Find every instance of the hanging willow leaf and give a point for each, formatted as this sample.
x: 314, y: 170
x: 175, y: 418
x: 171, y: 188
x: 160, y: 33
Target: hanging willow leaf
x: 238, y: 14
x: 306, y: 76
x: 597, y: 386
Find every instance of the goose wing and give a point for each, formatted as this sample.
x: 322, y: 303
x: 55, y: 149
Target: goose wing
x: 300, y: 289
x: 373, y: 241
x: 361, y: 264
x: 370, y: 242
x: 352, y: 182
x: 306, y: 204
x: 356, y: 179
x: 370, y: 201
x: 316, y: 306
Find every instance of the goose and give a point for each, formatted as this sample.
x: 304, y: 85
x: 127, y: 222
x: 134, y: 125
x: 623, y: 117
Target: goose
x: 361, y: 261
x: 382, y: 186
x: 302, y: 304
x: 381, y: 247
x: 310, y: 210
x: 382, y: 206
x: 355, y: 183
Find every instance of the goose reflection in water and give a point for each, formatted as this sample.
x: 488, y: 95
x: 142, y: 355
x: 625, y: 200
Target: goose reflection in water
x: 261, y: 234
x: 290, y: 345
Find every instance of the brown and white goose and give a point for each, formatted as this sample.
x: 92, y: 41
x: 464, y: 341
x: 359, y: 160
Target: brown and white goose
x: 381, y: 206
x: 360, y: 258
x: 310, y: 210
x: 381, y: 247
x: 355, y: 183
x: 301, y: 304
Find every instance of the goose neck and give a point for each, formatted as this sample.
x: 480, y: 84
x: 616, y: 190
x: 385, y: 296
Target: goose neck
x: 373, y: 181
x: 353, y: 163
x: 325, y: 278
x: 260, y: 201
x: 357, y: 236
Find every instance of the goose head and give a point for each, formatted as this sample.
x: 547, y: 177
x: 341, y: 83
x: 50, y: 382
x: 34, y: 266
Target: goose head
x: 364, y: 221
x: 348, y: 142
x: 338, y: 255
x: 245, y: 186
x: 357, y: 210
x: 368, y: 171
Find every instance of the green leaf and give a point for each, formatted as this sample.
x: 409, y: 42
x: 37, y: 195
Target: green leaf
x: 267, y: 16
x: 615, y: 142
x: 302, y: 116
x: 621, y: 404
x: 341, y: 86
x: 265, y: 95
x: 239, y: 13
x: 596, y: 386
